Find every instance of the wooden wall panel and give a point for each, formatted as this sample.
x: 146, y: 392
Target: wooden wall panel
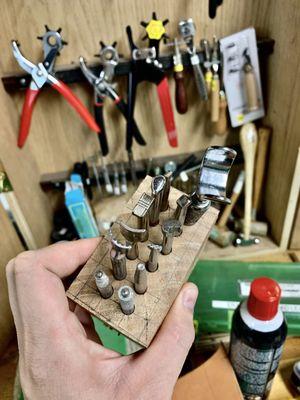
x: 58, y: 138
x: 295, y: 237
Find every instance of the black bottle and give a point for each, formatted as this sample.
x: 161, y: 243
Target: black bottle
x: 258, y: 332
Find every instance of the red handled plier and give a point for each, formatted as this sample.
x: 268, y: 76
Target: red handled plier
x: 41, y: 74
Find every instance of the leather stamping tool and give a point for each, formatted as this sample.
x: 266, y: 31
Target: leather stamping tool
x: 103, y: 284
x: 183, y: 202
x: 157, y: 188
x: 132, y: 236
x: 140, y: 279
x: 170, y: 228
x: 152, y: 263
x: 126, y: 298
x: 118, y: 259
x: 142, y: 212
x: 212, y: 182
x: 165, y: 196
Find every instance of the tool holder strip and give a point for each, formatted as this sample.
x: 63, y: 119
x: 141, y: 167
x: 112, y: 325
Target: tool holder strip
x: 72, y: 73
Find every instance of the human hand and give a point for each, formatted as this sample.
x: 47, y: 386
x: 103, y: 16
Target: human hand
x: 61, y: 357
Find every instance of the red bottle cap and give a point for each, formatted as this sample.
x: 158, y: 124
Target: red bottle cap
x: 264, y: 298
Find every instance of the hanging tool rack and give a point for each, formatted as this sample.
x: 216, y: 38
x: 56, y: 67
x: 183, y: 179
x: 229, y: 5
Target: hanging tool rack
x: 72, y: 73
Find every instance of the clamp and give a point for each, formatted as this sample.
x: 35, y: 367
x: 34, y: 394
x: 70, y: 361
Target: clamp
x: 104, y: 87
x: 41, y: 74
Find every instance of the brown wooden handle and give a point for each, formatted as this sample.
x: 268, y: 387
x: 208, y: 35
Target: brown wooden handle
x: 215, y: 99
x: 220, y: 127
x: 261, y: 158
x: 227, y: 210
x: 251, y: 88
x: 248, y: 139
x: 180, y: 93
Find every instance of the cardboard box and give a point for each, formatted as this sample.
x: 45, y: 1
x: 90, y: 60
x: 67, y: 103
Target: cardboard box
x: 213, y: 380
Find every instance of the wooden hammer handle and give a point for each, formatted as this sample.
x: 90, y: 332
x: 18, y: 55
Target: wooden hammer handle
x: 261, y: 158
x: 248, y: 139
x: 227, y: 210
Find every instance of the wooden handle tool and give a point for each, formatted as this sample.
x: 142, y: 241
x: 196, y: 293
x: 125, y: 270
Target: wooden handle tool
x: 180, y: 92
x: 261, y: 159
x: 220, y: 127
x: 251, y: 88
x: 215, y: 99
x: 248, y: 139
x: 237, y: 189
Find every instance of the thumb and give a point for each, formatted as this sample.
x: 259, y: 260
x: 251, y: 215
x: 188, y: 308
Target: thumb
x: 171, y: 345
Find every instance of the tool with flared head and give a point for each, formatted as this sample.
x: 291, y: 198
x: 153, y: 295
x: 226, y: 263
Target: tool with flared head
x: 152, y: 263
x: 212, y: 182
x: 41, y: 74
x: 170, y: 229
x: 157, y: 188
x: 132, y: 236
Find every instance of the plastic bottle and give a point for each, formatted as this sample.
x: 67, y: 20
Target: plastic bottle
x: 257, y: 335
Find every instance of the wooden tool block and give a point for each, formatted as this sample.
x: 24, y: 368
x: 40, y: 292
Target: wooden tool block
x: 163, y: 285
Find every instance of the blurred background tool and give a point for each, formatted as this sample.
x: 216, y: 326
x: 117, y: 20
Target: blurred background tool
x: 219, y: 233
x: 250, y: 83
x: 215, y: 82
x: 180, y: 91
x: 248, y: 139
x: 187, y: 30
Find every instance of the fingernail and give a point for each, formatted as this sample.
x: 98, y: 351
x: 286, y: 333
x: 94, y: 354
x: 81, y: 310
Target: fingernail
x: 189, y: 298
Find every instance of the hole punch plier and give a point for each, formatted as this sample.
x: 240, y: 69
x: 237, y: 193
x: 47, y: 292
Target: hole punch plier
x: 104, y: 87
x: 43, y: 73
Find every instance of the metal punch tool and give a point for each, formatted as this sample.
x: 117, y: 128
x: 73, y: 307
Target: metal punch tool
x: 118, y: 258
x: 212, y: 182
x: 142, y: 212
x: 132, y: 236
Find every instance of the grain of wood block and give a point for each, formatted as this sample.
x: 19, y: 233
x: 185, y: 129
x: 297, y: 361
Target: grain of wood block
x: 163, y: 285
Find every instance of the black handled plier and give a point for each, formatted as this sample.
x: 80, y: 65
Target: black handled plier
x: 104, y: 87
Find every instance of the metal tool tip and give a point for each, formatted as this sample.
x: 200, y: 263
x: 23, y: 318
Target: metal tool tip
x: 99, y: 274
x: 141, y: 266
x: 125, y: 291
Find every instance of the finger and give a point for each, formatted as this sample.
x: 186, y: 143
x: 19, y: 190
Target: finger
x: 64, y: 258
x: 174, y: 338
x: 34, y: 283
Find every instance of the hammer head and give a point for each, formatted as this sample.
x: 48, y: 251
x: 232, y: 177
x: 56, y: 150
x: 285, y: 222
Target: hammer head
x: 241, y: 241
